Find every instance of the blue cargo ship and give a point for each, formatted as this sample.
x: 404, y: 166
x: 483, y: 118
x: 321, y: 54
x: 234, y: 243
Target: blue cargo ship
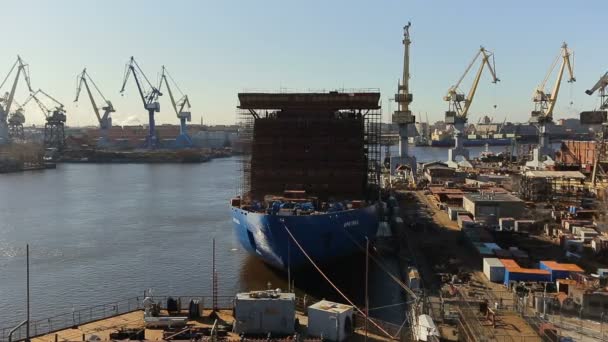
x: 324, y: 236
x: 311, y: 171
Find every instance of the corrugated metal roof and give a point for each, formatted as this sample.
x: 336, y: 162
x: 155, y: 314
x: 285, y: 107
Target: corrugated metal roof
x: 555, y: 174
x: 556, y: 266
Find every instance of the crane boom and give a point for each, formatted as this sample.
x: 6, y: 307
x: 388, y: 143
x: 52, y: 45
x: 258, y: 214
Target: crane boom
x: 9, y: 97
x: 83, y: 80
x: 163, y: 77
x: 455, y: 98
x: 600, y: 84
x: 149, y: 98
x: 146, y: 97
x: 545, y: 103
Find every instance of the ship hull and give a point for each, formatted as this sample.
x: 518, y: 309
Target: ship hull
x: 323, y: 237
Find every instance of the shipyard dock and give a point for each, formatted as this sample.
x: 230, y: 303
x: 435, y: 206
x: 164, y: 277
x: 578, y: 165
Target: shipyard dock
x: 126, y: 319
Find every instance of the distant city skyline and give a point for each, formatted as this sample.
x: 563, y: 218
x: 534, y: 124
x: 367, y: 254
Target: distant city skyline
x: 216, y: 49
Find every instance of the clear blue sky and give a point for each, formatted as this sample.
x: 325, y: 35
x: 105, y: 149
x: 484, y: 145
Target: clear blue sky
x: 215, y: 49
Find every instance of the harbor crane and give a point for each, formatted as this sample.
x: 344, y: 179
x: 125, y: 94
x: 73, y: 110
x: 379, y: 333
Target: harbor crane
x: 15, y: 123
x: 149, y: 96
x: 601, y: 86
x: 459, y: 105
x: 599, y: 121
x: 181, y: 108
x: 544, y: 104
x: 105, y: 120
x: 7, y: 100
x: 403, y: 116
x: 54, y: 133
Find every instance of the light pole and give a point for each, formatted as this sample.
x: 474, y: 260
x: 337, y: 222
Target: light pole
x: 366, y: 285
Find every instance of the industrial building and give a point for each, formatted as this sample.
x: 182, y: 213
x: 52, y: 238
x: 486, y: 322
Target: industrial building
x: 560, y: 271
x: 562, y: 186
x: 438, y: 172
x: 489, y: 207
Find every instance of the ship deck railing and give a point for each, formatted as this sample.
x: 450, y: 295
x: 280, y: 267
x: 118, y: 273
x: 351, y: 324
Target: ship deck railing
x: 104, y: 313
x: 45, y: 326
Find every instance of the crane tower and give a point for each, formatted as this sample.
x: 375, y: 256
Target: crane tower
x: 105, y: 120
x: 403, y: 116
x: 149, y: 96
x: 544, y: 104
x: 181, y: 108
x: 54, y: 133
x: 15, y: 123
x: 459, y: 106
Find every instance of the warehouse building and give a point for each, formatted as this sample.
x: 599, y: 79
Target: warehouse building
x: 489, y: 207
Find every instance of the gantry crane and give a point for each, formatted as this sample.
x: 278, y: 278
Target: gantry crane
x: 105, y: 120
x: 459, y: 105
x: 54, y: 133
x: 149, y: 97
x: 544, y: 104
x: 403, y: 116
x: 7, y: 101
x: 15, y: 123
x: 182, y: 110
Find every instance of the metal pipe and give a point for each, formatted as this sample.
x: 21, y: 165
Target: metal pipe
x: 10, y: 333
x: 366, y: 284
x: 27, y: 326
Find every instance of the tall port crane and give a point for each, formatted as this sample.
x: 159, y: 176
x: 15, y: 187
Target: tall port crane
x: 105, y: 120
x: 149, y: 96
x: 403, y: 116
x: 7, y: 101
x: 544, y: 104
x: 601, y: 86
x: 459, y: 105
x: 181, y: 108
x: 54, y: 133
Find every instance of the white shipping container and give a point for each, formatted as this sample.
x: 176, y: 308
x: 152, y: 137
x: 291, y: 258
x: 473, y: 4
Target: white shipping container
x: 263, y: 312
x: 494, y: 270
x: 331, y: 320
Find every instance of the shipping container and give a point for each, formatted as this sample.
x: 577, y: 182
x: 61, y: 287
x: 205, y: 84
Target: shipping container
x: 264, y: 312
x: 513, y: 272
x: 494, y: 270
x: 332, y: 321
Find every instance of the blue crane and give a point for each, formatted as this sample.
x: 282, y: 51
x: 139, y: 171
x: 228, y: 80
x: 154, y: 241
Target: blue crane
x: 182, y: 110
x: 149, y: 96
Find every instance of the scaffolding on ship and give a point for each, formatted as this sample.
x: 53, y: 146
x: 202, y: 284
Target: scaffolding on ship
x: 372, y: 139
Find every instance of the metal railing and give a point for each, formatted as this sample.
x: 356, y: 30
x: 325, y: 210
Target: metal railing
x: 100, y: 312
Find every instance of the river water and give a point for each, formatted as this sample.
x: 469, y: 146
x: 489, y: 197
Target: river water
x: 103, y: 232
